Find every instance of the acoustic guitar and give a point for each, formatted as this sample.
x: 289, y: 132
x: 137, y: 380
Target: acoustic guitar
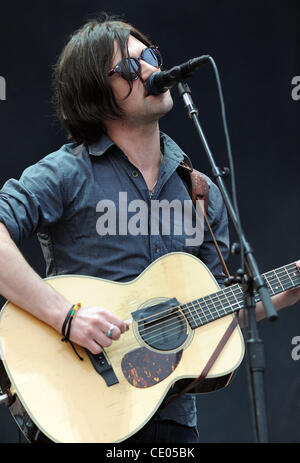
x: 178, y: 314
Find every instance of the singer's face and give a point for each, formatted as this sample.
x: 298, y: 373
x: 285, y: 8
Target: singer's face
x: 139, y: 107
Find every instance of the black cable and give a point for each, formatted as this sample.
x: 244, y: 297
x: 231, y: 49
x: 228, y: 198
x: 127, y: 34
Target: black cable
x: 230, y: 158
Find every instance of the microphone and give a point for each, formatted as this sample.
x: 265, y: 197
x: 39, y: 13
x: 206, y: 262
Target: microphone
x: 161, y: 81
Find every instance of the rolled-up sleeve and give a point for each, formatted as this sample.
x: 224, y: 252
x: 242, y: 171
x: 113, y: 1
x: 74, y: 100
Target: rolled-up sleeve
x: 32, y: 202
x: 218, y: 219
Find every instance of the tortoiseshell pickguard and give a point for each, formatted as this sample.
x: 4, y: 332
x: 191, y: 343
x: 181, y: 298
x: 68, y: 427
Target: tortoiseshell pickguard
x: 144, y: 368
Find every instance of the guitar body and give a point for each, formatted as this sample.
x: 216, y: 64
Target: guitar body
x: 68, y: 400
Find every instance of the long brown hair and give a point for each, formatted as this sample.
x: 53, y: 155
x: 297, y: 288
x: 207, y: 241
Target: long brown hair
x: 82, y: 92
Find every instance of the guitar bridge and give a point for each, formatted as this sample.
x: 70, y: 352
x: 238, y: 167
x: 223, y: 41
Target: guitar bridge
x: 103, y: 368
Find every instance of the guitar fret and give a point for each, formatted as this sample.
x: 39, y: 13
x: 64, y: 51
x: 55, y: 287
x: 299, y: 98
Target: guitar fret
x: 295, y: 276
x: 236, y: 289
x: 212, y: 308
x: 226, y: 298
x: 216, y: 305
x: 288, y: 275
x: 231, y: 298
x: 276, y: 284
x: 189, y: 315
x: 198, y: 315
x: 204, y: 313
x: 208, y: 310
x: 269, y: 285
x: 222, y: 308
x: 191, y: 305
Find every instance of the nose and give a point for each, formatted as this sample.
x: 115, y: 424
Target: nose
x: 147, y: 70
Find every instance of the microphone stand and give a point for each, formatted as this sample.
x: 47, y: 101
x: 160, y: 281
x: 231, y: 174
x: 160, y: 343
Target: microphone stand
x: 251, y: 281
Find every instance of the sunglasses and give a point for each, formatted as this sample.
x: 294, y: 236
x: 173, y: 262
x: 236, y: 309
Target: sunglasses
x: 130, y: 68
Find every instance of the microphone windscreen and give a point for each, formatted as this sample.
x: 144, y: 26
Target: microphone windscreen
x: 151, y: 86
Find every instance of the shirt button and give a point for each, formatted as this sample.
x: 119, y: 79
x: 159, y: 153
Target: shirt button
x: 135, y: 173
x: 156, y: 249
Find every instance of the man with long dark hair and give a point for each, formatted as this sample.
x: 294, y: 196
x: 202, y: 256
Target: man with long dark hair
x: 115, y: 146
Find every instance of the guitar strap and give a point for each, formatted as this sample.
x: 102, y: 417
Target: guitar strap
x: 199, y: 190
x: 231, y: 327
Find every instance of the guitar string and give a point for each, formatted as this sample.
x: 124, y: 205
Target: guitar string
x: 174, y: 326
x: 174, y: 329
x: 165, y: 313
x: 210, y: 312
x: 216, y: 295
x: 216, y: 298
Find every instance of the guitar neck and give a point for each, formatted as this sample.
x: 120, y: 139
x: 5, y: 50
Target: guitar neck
x: 231, y: 299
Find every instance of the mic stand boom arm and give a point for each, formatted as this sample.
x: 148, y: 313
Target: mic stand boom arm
x: 252, y: 281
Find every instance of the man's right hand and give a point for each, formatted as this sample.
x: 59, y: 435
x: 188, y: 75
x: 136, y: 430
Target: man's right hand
x: 90, y: 327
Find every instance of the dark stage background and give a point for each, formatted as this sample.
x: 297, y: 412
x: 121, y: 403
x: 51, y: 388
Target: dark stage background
x: 256, y: 47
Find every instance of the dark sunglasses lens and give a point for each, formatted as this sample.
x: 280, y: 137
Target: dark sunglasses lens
x: 130, y: 69
x: 152, y: 57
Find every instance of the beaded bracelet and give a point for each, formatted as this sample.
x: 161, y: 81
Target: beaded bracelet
x: 66, y: 328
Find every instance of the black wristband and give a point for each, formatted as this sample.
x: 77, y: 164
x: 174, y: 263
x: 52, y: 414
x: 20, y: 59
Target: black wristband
x: 66, y: 327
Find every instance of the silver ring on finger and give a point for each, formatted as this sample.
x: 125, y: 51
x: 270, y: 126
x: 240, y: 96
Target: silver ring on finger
x: 109, y: 332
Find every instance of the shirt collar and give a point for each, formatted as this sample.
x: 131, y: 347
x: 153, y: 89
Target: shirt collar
x: 100, y: 146
x: 169, y: 147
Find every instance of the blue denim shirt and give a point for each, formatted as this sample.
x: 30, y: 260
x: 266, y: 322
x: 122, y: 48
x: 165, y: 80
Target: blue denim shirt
x: 62, y: 199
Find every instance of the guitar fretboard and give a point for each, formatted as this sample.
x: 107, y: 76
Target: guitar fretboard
x: 229, y: 300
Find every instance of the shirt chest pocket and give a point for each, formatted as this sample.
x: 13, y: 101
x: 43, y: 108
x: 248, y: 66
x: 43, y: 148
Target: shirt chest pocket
x: 180, y: 228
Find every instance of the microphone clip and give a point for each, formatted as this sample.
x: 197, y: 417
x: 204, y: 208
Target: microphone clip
x: 185, y: 92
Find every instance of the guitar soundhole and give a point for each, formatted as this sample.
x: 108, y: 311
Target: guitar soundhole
x: 163, y: 326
